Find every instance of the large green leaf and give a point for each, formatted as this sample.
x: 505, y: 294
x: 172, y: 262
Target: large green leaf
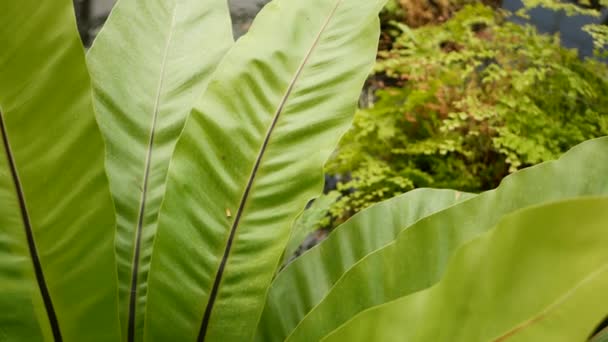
x: 57, y: 265
x: 502, y: 286
x: 150, y: 63
x: 250, y: 157
x: 408, y: 264
x: 304, y: 283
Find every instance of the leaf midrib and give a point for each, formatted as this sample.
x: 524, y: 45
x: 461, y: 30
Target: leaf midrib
x: 27, y: 225
x: 217, y: 280
x: 145, y: 182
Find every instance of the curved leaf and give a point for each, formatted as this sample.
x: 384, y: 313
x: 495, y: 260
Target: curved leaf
x: 57, y: 265
x: 304, y: 282
x: 150, y: 63
x: 256, y: 144
x: 498, y: 287
x: 377, y: 279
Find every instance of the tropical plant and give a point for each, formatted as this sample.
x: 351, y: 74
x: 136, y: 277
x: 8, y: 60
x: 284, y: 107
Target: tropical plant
x: 181, y: 240
x: 460, y: 108
x: 274, y: 109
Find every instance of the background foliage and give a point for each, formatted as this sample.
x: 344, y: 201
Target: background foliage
x: 416, y: 13
x: 463, y: 104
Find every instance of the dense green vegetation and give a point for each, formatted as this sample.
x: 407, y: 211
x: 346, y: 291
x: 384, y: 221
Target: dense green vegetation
x: 149, y: 190
x: 463, y: 104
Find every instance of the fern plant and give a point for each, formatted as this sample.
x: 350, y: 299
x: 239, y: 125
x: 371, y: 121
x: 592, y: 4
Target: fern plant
x: 147, y: 192
x: 465, y: 104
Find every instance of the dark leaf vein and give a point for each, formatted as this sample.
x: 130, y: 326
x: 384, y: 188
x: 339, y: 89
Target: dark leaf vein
x: 29, y: 233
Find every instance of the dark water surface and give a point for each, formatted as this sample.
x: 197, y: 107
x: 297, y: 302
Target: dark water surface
x: 569, y: 28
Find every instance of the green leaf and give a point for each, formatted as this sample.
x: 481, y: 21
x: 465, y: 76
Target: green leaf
x: 379, y: 278
x: 304, y: 282
x: 250, y: 157
x: 540, y: 275
x: 150, y: 63
x: 57, y: 265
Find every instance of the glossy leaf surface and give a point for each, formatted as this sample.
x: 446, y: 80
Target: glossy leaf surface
x: 57, y: 265
x: 498, y: 287
x: 408, y: 264
x: 150, y: 63
x: 249, y: 159
x: 304, y: 282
